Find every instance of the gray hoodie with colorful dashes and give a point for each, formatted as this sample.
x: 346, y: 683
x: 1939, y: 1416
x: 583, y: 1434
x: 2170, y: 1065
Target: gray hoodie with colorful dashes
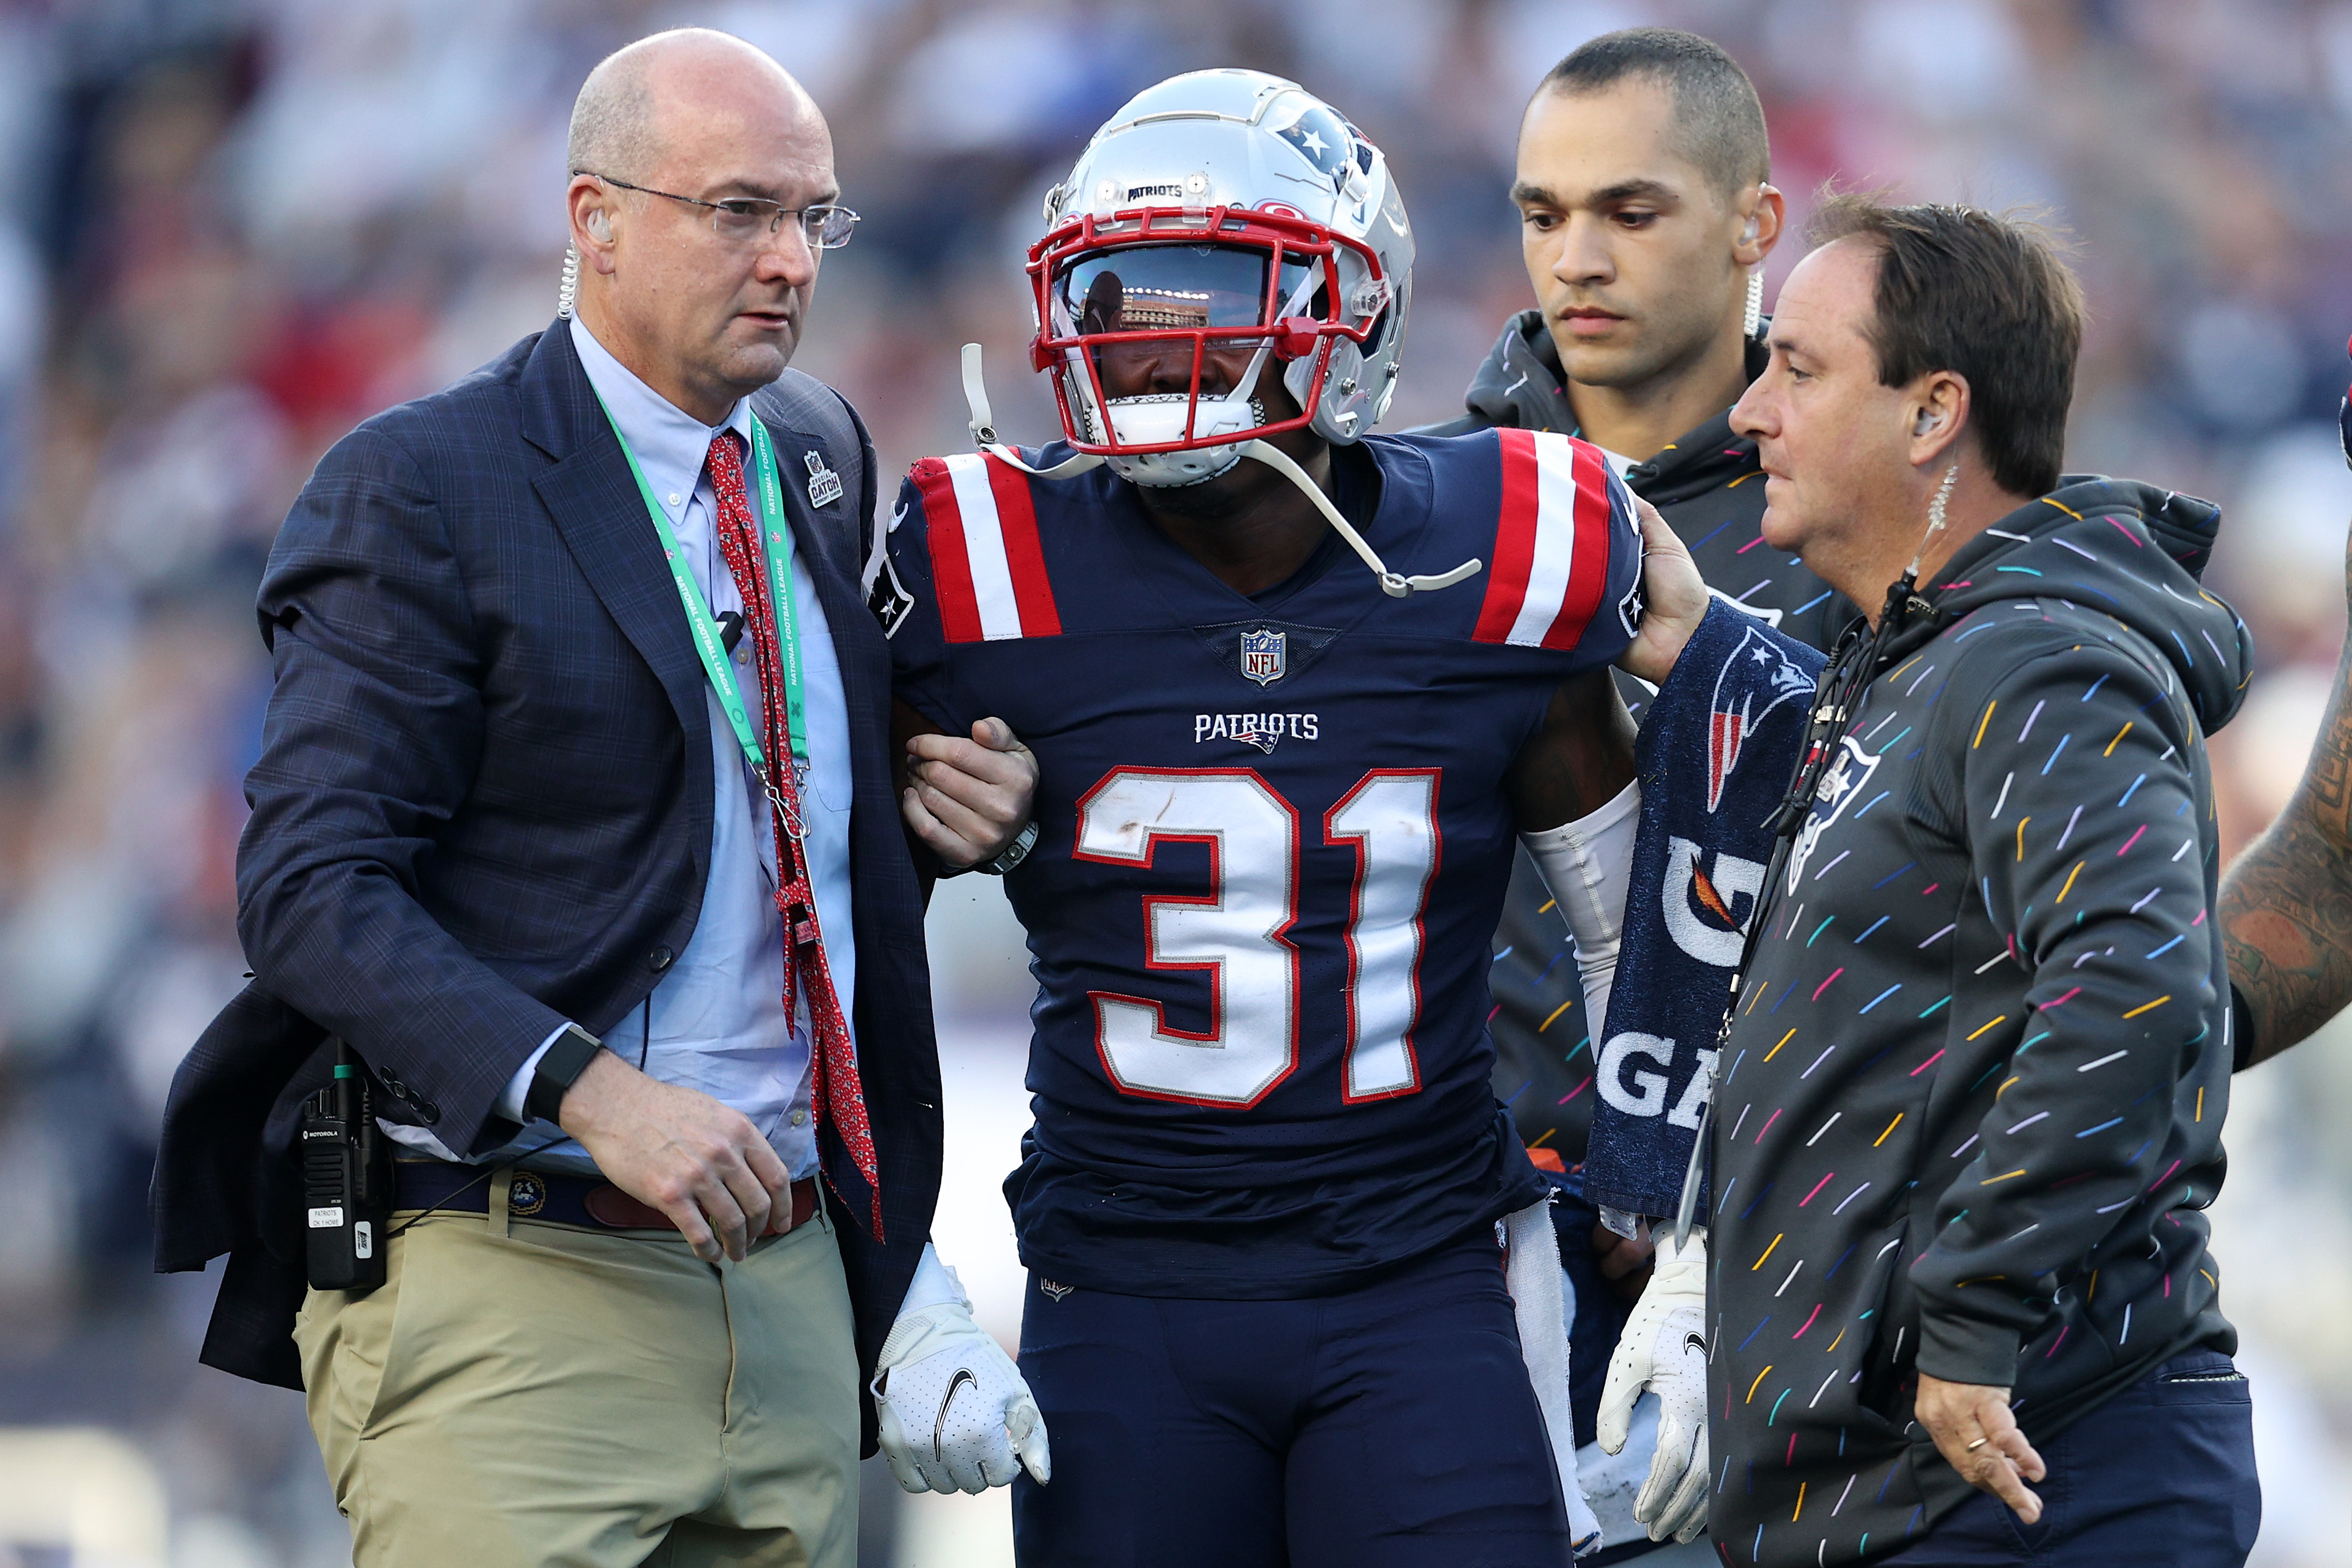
x: 1971, y: 1106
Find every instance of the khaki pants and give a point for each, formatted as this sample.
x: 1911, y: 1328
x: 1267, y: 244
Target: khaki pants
x: 519, y: 1395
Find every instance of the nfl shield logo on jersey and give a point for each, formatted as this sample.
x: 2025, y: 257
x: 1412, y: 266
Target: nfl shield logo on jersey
x: 1263, y: 656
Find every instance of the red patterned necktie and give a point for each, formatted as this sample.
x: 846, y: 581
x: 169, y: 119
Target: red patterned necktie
x: 842, y: 1130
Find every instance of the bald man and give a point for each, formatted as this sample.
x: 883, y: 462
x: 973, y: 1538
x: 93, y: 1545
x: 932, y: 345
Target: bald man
x: 586, y: 918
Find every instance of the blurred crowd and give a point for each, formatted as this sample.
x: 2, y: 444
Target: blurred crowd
x: 233, y: 228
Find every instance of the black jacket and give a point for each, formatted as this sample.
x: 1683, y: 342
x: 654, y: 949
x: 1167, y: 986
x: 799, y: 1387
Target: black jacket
x: 483, y: 806
x: 1707, y: 487
x: 1970, y: 1108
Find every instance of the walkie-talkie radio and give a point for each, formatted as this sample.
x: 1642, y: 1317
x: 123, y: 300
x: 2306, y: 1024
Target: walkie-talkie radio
x: 346, y: 1181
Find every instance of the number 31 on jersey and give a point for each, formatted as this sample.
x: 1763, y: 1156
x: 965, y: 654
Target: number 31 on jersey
x: 1238, y: 933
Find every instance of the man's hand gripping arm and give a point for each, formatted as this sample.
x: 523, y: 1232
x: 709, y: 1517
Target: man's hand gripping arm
x: 967, y: 800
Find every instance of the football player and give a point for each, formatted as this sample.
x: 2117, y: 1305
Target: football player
x: 1278, y: 799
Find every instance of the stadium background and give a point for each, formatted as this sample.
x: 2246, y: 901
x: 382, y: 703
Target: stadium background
x: 231, y: 228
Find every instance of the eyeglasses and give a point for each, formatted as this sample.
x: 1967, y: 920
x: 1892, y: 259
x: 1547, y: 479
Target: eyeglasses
x: 743, y: 219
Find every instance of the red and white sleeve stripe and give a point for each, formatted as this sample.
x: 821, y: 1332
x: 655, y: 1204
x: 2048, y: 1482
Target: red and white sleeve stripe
x: 986, y: 563
x: 1552, y: 548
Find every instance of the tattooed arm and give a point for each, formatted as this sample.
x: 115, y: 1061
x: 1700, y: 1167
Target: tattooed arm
x: 2286, y: 903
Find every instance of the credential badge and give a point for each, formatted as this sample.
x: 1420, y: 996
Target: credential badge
x: 825, y: 484
x: 1265, y: 658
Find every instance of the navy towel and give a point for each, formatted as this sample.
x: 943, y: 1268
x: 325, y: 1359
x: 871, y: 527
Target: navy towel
x: 1716, y: 751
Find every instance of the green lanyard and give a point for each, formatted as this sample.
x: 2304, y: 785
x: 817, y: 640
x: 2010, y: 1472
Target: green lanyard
x: 707, y: 637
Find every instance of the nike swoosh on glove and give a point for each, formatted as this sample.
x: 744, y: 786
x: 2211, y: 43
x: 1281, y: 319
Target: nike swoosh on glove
x: 952, y: 1410
x: 1664, y: 1351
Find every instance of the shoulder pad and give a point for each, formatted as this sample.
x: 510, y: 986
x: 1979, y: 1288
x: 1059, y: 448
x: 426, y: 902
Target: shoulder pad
x: 1562, y: 510
x: 987, y: 566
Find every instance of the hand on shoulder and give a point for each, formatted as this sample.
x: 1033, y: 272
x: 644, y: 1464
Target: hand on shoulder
x: 1674, y: 597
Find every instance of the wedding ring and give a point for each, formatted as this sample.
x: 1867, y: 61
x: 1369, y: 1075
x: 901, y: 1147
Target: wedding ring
x: 1980, y: 1443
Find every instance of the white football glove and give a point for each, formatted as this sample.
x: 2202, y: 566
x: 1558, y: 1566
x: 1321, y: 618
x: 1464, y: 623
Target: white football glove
x: 952, y: 1410
x: 1664, y: 1351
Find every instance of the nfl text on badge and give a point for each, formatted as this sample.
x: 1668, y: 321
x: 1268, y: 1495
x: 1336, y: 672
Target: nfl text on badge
x: 1264, y: 656
x: 825, y: 484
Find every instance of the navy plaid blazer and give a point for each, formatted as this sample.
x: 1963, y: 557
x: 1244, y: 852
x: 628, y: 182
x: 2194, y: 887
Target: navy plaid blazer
x: 483, y: 805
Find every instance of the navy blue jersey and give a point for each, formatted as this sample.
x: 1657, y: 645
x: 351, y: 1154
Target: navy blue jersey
x: 1273, y: 841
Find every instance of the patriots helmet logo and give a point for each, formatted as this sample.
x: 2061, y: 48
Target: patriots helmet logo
x: 1327, y: 143
x: 1757, y: 679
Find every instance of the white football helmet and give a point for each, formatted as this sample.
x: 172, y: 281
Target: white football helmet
x: 1221, y: 218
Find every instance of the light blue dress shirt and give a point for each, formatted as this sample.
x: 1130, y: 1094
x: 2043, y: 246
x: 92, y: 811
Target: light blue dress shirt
x: 716, y: 1020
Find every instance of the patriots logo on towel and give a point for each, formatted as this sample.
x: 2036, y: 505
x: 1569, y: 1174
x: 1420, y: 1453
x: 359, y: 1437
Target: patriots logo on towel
x: 1757, y: 679
x: 886, y: 596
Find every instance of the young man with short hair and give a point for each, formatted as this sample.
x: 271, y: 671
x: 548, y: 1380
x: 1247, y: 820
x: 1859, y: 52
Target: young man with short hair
x: 1647, y: 215
x: 1645, y: 218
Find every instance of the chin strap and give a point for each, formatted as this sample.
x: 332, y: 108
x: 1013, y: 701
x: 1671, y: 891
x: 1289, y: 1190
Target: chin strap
x: 1391, y: 584
x: 983, y: 427
x: 1394, y: 584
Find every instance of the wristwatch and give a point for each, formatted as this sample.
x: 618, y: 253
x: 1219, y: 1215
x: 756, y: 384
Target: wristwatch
x: 566, y: 1057
x: 1013, y: 854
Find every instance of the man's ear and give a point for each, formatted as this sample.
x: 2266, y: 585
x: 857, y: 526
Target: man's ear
x: 1763, y: 211
x: 1939, y: 409
x: 590, y: 204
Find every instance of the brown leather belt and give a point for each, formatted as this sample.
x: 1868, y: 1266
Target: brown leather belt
x: 448, y: 1189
